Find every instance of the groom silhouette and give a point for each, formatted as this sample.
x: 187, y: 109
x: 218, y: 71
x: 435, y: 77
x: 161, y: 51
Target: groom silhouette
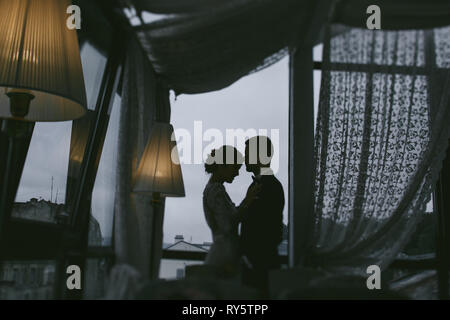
x: 262, y: 225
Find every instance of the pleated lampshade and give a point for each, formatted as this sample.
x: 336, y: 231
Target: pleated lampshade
x: 40, y: 56
x: 159, y: 170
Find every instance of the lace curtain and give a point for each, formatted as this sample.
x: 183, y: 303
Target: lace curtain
x: 381, y: 136
x: 137, y: 226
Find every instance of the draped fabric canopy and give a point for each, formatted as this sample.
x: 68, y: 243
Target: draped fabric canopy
x: 177, y: 6
x: 382, y: 134
x: 206, y: 45
x: 208, y: 50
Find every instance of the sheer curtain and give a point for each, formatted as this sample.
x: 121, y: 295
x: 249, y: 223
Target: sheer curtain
x: 144, y: 99
x: 204, y: 50
x: 381, y: 136
x: 206, y: 45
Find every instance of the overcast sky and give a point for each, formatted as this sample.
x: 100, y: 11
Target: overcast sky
x: 258, y: 101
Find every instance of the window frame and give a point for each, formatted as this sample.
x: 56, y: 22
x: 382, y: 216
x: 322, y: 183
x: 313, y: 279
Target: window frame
x: 80, y: 217
x: 67, y: 243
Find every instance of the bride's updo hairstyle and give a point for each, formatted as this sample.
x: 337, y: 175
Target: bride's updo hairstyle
x: 225, y: 155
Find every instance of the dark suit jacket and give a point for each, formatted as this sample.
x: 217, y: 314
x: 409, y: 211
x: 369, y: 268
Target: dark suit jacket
x: 262, y: 225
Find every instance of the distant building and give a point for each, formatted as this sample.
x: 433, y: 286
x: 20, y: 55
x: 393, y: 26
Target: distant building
x: 40, y: 210
x: 179, y: 238
x: 24, y: 280
x: 175, y: 269
x: 27, y: 280
x: 95, y: 238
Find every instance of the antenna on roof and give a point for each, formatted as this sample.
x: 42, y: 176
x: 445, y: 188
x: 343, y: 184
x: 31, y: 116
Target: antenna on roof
x: 51, y: 192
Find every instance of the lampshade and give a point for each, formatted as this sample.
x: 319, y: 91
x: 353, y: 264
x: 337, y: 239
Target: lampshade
x: 40, y: 57
x: 159, y: 170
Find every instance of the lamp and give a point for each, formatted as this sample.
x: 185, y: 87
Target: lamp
x: 41, y: 77
x: 159, y: 172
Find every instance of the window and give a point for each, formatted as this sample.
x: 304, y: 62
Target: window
x: 51, y: 179
x: 16, y: 275
x: 48, y: 173
x: 33, y: 276
x: 104, y: 188
x: 102, y: 209
x: 180, y: 273
x: 423, y: 240
x: 43, y: 183
x: 317, y: 74
x: 260, y: 102
x: 25, y: 280
x: 5, y: 275
x: 94, y: 64
x: 96, y: 276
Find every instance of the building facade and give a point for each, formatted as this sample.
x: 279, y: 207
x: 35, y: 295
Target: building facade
x: 34, y: 280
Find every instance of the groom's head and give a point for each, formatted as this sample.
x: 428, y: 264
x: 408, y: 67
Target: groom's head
x: 258, y: 153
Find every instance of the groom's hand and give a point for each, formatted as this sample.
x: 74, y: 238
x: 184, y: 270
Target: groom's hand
x: 253, y: 191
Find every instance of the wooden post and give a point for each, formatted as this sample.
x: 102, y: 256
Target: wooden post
x: 301, y: 152
x: 442, y: 210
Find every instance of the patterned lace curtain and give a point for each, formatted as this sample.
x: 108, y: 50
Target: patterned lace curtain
x: 381, y: 136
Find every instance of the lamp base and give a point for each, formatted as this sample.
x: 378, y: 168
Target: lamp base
x: 156, y: 236
x: 156, y: 198
x: 20, y: 103
x: 15, y: 138
x: 17, y: 128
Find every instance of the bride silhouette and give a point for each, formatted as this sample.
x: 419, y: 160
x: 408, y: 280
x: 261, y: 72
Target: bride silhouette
x: 222, y: 216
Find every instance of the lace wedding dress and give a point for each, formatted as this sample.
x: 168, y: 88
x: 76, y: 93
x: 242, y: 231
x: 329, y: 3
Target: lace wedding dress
x: 223, y: 218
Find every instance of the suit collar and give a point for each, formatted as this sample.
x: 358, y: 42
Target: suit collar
x: 265, y: 172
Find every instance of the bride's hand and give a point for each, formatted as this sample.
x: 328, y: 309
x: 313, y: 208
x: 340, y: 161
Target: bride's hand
x: 252, y: 194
